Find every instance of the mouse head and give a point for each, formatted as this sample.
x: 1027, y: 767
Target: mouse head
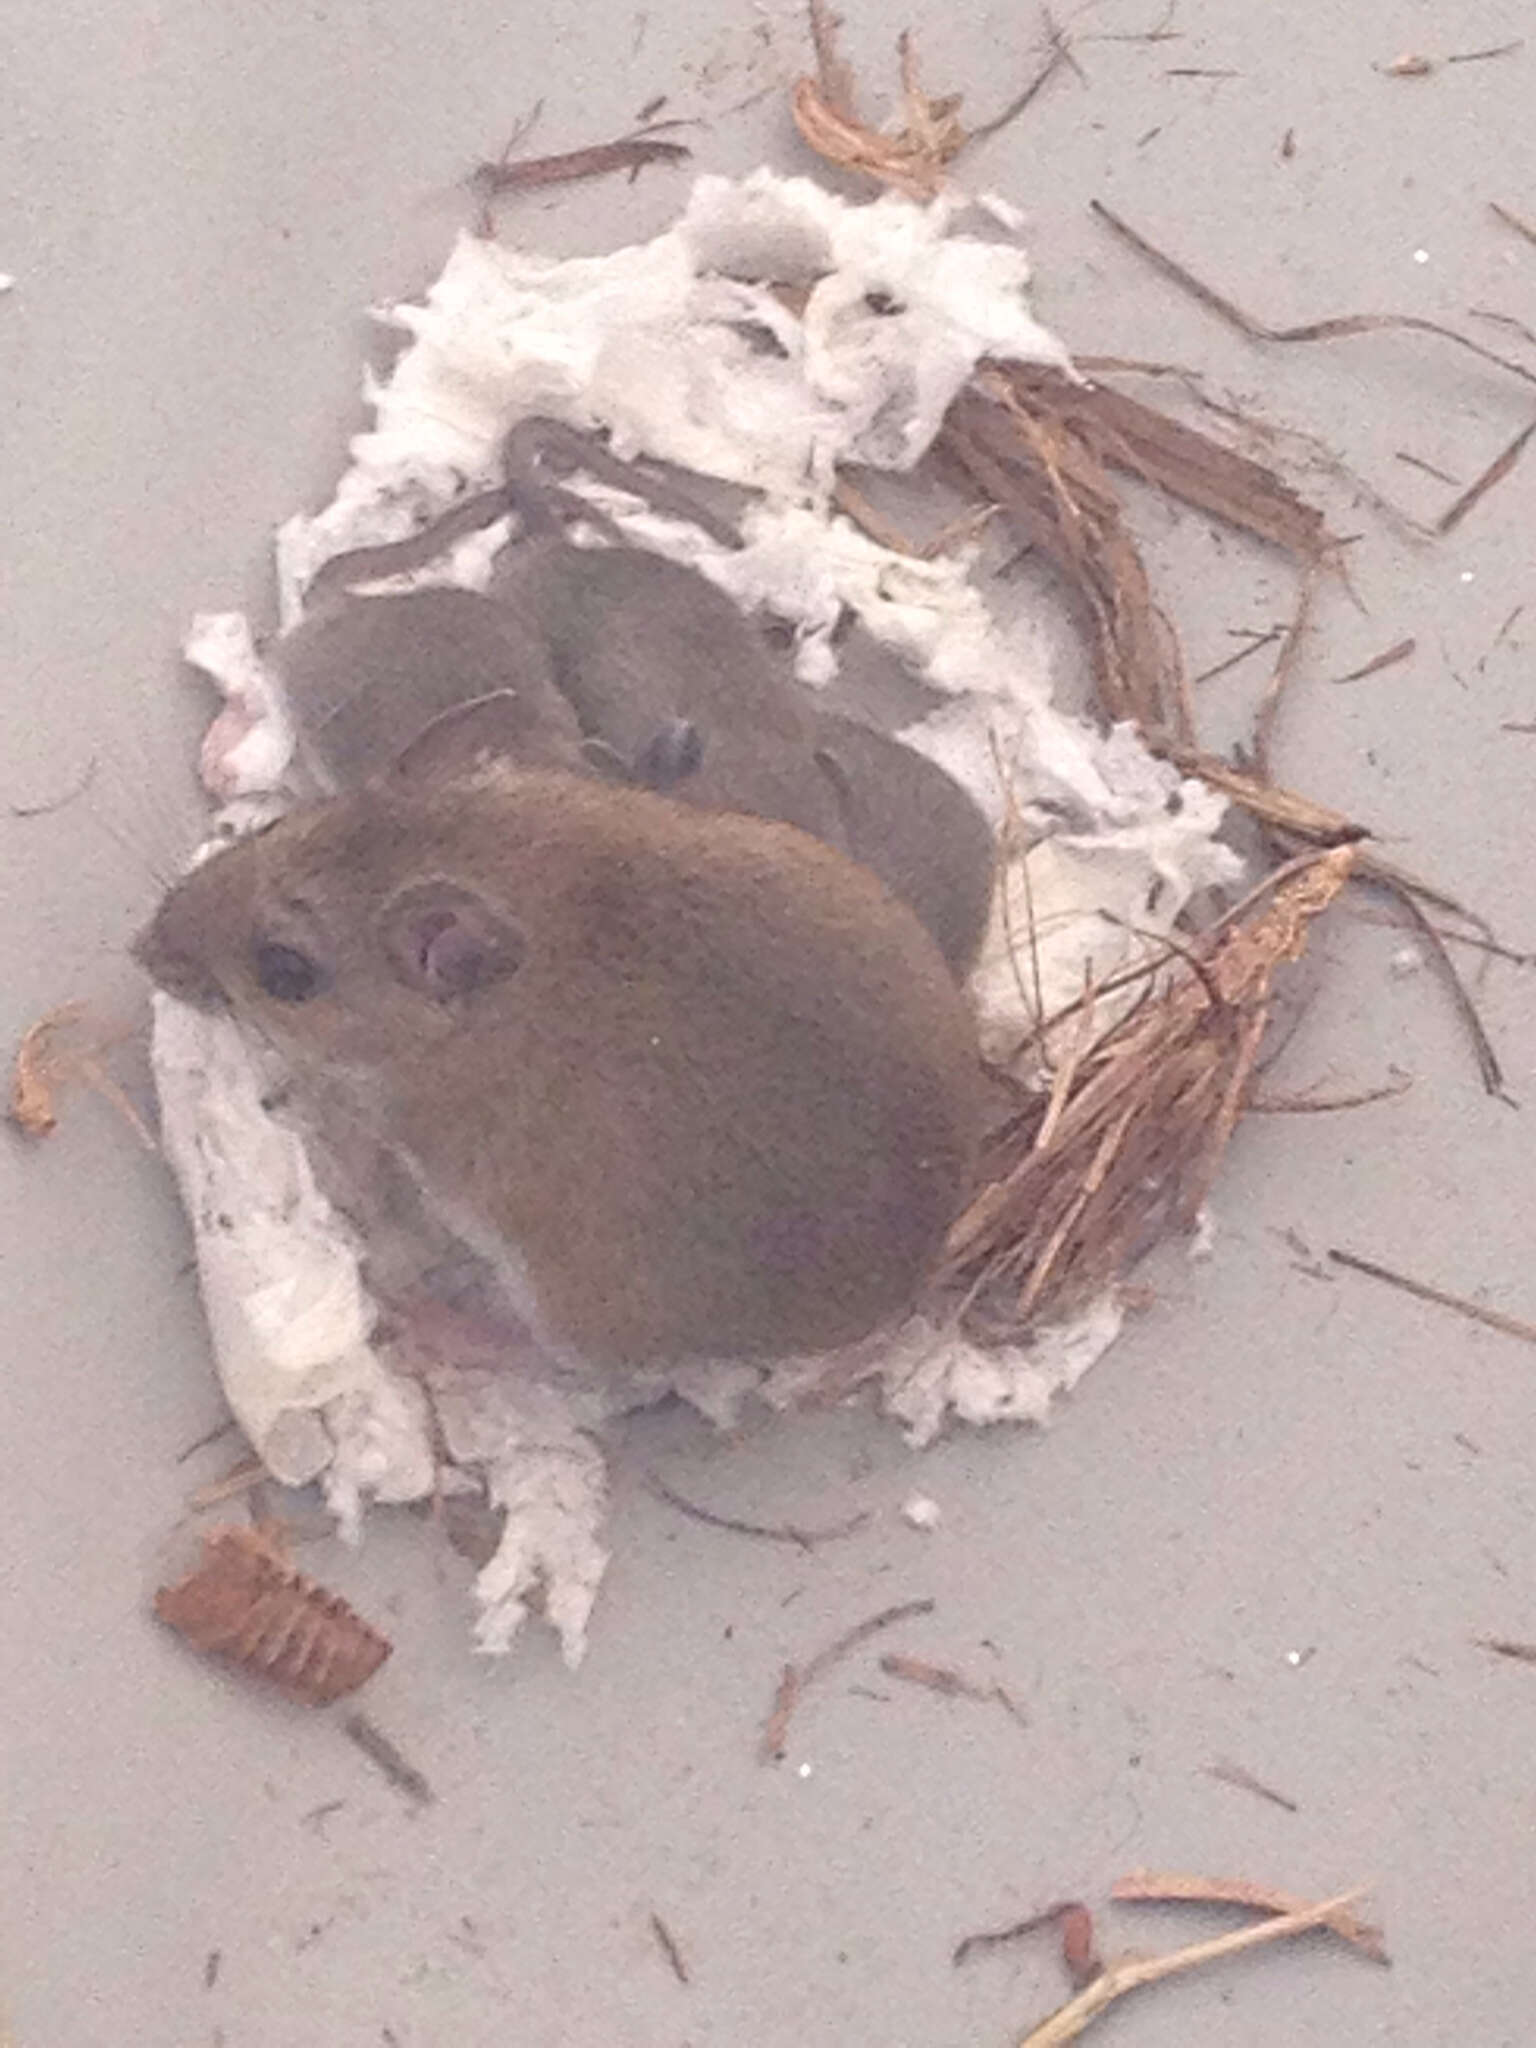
x: 352, y: 931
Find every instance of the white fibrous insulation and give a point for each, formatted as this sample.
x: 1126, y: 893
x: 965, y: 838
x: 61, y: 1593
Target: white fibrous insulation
x: 662, y: 346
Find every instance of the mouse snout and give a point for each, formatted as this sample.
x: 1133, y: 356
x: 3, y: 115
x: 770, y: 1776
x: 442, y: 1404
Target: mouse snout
x: 174, y: 963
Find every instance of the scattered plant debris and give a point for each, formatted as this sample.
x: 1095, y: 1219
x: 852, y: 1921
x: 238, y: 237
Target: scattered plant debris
x: 1400, y: 651
x: 666, y: 1941
x: 500, y: 175
x: 1504, y: 1646
x: 767, y: 1532
x: 797, y: 1678
x: 1479, y: 488
x: 246, y: 1603
x: 1511, y: 219
x: 45, y: 1062
x: 1161, y: 1887
x: 1071, y: 2020
x: 1245, y: 1781
x: 1495, y: 1319
x: 1072, y: 1920
x: 941, y: 1678
x: 72, y: 794
x: 381, y: 1751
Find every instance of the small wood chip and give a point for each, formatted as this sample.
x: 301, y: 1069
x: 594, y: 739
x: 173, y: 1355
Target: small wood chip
x: 247, y: 1604
x: 1069, y: 1916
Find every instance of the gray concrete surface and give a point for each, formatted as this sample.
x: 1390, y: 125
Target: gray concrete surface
x: 1275, y: 1517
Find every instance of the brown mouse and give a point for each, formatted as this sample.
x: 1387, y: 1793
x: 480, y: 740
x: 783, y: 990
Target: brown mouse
x: 668, y: 684
x: 698, y: 1078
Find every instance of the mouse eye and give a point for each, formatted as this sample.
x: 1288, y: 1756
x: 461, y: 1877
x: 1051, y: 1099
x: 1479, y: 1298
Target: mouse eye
x: 284, y: 973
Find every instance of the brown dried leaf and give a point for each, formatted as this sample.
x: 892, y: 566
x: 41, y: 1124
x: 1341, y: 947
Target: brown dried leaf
x: 246, y: 1603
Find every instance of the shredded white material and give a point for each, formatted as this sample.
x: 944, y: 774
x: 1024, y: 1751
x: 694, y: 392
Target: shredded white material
x: 662, y: 345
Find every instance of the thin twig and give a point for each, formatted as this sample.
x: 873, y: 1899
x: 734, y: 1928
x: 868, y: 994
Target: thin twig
x: 76, y: 789
x: 1157, y: 1887
x: 1245, y: 1781
x: 1400, y: 651
x: 240, y: 1478
x: 1059, y: 59
x: 950, y: 1684
x: 797, y: 1678
x: 1504, y: 1646
x: 522, y: 174
x: 1495, y: 473
x: 1482, y: 1045
x: 1337, y: 328
x: 1299, y: 1105
x: 1511, y: 219
x: 387, y: 1757
x: 1069, y: 2021
x: 209, y: 1436
x: 1495, y: 1319
x: 768, y: 1532
x: 1220, y: 668
x: 666, y: 1941
x: 1049, y: 1916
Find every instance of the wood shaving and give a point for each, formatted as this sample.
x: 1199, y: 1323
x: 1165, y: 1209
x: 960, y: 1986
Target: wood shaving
x: 247, y: 1604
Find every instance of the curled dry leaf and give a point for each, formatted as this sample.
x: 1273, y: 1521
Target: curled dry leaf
x: 246, y: 1603
x: 37, y: 1071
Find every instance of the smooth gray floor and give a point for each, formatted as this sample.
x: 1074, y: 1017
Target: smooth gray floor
x: 1277, y: 1514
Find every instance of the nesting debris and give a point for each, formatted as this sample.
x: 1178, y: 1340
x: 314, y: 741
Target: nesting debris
x: 1130, y: 1138
x: 247, y: 1604
x: 1071, y: 2020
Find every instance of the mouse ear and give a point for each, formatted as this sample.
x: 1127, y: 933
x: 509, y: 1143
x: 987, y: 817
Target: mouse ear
x: 448, y: 942
x: 465, y: 735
